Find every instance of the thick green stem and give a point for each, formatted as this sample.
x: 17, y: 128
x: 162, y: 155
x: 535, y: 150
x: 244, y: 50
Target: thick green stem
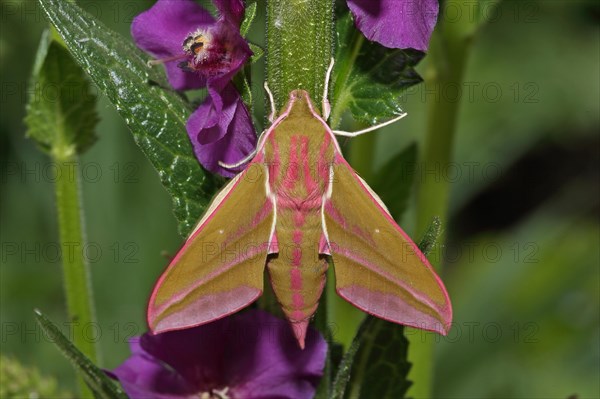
x: 446, y: 70
x: 449, y: 50
x: 299, y: 46
x: 75, y: 267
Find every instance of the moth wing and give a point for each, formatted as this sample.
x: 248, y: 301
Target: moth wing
x: 220, y: 268
x: 378, y: 268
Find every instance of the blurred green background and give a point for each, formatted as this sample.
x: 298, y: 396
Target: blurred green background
x: 522, y: 262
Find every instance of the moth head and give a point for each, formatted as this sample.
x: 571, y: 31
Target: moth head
x: 300, y: 102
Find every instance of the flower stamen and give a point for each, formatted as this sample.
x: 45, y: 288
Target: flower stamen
x: 196, y: 43
x: 216, y: 394
x: 151, y: 63
x: 221, y: 394
x: 207, y: 52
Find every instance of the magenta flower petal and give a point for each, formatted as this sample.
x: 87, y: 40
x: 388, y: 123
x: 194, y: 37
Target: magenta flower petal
x: 251, y: 355
x: 396, y: 23
x: 225, y: 135
x: 279, y: 368
x: 232, y: 10
x: 237, y: 55
x: 161, y: 30
x: 143, y: 376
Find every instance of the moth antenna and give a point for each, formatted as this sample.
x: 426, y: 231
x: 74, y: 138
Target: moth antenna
x: 369, y: 129
x: 246, y: 159
x: 272, y: 101
x: 326, y: 104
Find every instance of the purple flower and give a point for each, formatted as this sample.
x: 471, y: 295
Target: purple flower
x: 214, y: 133
x: 250, y: 355
x: 396, y: 23
x: 199, y: 51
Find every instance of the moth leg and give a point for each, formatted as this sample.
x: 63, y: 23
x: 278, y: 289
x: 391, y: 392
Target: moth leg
x: 246, y: 159
x: 369, y: 129
x: 326, y: 104
x: 272, y: 101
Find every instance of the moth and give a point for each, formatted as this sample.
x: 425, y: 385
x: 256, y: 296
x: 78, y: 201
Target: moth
x: 296, y: 205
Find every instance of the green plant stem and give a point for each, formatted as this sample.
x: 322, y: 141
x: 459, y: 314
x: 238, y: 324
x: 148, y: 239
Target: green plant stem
x: 75, y: 268
x: 299, y: 47
x: 448, y: 55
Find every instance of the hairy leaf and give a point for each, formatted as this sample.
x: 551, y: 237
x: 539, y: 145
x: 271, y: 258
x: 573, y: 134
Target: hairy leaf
x: 431, y: 236
x: 257, y: 52
x: 335, y: 353
x: 156, y: 116
x: 98, y: 381
x: 345, y: 367
x: 61, y: 111
x: 249, y: 15
x: 370, y: 78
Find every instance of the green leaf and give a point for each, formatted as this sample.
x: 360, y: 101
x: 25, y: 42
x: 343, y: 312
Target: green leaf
x: 335, y: 353
x: 431, y: 236
x: 345, y: 367
x: 61, y: 110
x: 395, y: 179
x: 370, y: 78
x: 376, y: 360
x: 155, y: 116
x: 258, y: 52
x: 98, y: 381
x: 249, y: 15
x: 377, y: 357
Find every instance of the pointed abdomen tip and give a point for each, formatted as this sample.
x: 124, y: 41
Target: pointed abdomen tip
x: 299, y: 328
